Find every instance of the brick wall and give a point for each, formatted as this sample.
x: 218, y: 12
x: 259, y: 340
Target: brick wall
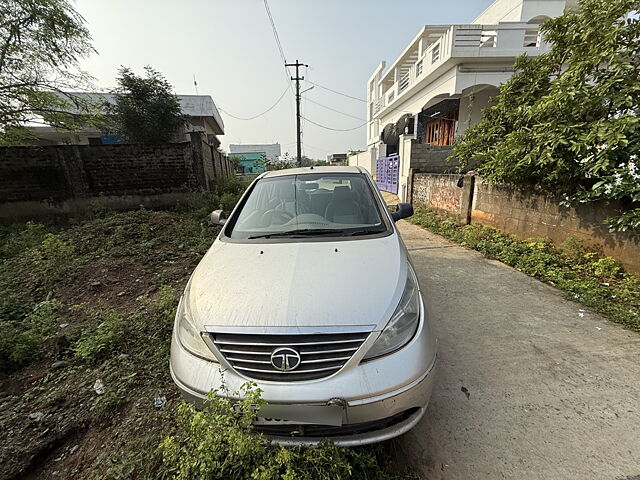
x: 37, y: 181
x: 526, y: 215
x: 433, y: 159
x: 529, y: 215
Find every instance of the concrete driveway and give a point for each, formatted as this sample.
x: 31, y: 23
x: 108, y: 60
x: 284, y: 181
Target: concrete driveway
x: 529, y: 386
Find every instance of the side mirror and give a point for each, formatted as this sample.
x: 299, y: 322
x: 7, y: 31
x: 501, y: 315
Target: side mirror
x: 217, y: 217
x: 404, y: 210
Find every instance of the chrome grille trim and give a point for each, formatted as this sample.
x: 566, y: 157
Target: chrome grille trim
x: 304, y: 371
x: 321, y: 353
x: 291, y: 344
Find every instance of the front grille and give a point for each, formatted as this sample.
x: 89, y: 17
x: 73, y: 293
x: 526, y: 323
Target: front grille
x: 321, y: 354
x: 291, y: 430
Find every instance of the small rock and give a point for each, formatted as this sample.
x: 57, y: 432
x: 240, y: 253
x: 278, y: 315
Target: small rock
x: 122, y: 293
x: 95, y: 284
x: 60, y: 364
x: 63, y: 325
x: 36, y: 416
x: 159, y: 401
x: 465, y: 391
x: 98, y: 387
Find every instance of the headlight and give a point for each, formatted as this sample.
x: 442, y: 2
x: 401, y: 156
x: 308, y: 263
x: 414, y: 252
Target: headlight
x: 403, y: 323
x: 188, y: 334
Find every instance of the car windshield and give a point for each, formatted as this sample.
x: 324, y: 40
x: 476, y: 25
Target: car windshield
x: 309, y: 205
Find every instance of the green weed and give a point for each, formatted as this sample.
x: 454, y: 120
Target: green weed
x: 23, y: 335
x: 17, y: 238
x: 218, y: 443
x: 107, y: 338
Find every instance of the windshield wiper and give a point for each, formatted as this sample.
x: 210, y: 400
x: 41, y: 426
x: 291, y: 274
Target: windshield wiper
x: 301, y: 232
x: 364, y: 231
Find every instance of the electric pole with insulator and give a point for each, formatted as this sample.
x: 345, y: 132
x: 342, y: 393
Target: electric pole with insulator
x: 297, y: 78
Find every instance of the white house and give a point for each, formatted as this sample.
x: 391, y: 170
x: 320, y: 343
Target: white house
x: 438, y: 86
x: 200, y: 111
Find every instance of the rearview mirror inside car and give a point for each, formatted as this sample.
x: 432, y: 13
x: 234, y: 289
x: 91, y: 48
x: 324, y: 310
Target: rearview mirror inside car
x: 404, y: 210
x: 218, y: 217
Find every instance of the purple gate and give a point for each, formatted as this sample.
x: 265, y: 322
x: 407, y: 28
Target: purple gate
x: 387, y: 173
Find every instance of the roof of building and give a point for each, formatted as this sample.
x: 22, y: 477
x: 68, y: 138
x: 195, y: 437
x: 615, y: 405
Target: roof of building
x: 311, y: 170
x: 191, y: 105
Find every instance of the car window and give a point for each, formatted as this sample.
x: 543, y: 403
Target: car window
x: 308, y: 205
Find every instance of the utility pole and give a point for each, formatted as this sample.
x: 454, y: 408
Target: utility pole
x: 297, y: 79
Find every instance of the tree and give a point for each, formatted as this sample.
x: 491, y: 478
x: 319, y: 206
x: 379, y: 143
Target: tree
x: 568, y: 122
x: 41, y: 44
x: 146, y: 110
x: 235, y: 162
x: 282, y: 162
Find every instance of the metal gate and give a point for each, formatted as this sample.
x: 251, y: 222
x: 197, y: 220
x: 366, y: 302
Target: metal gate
x: 387, y: 173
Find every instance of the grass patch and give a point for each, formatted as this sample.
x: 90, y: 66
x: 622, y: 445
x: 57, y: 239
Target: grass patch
x: 597, y: 282
x: 102, y: 412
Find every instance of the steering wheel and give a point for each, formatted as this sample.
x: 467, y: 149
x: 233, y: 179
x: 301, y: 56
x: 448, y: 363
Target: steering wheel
x: 276, y: 215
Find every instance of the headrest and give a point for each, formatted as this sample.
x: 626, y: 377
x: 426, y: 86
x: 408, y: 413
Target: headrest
x: 341, y: 193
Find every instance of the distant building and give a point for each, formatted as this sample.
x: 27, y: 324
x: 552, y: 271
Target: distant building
x: 337, y: 159
x: 251, y: 156
x: 250, y: 162
x: 271, y: 150
x: 200, y: 111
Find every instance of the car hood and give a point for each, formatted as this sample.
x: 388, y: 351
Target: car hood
x: 298, y: 284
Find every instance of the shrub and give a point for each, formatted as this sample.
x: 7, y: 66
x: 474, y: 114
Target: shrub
x: 53, y: 258
x: 18, y: 238
x: 218, y: 443
x: 104, y: 340
x: 23, y: 335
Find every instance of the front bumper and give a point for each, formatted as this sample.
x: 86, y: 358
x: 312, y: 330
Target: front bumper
x: 388, y: 416
x: 383, y: 398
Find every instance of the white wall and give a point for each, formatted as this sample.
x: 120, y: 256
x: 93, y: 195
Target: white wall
x: 520, y: 11
x: 471, y: 107
x: 404, y: 153
x: 364, y: 160
x: 500, y: 11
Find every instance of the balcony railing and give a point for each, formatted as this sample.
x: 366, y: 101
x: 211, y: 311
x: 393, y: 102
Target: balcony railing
x: 467, y: 41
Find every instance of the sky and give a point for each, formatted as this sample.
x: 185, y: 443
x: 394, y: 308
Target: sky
x: 229, y: 46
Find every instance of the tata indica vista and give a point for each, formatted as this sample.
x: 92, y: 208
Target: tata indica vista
x: 308, y: 291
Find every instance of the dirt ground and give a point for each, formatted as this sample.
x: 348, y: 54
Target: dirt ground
x: 529, y: 385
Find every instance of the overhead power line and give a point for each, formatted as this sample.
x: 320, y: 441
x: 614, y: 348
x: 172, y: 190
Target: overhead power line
x: 334, y: 129
x: 356, y: 98
x: 275, y: 31
x: 333, y: 109
x: 260, y: 114
x: 337, y: 92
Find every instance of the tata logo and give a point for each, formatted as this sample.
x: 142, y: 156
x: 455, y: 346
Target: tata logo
x: 285, y: 359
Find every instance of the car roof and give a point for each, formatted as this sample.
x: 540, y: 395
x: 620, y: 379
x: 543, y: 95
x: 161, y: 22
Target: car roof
x: 310, y: 170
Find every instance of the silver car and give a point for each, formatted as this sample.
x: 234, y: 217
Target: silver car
x: 309, y: 292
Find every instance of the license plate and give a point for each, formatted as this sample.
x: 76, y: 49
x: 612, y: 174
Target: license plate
x: 275, y: 414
